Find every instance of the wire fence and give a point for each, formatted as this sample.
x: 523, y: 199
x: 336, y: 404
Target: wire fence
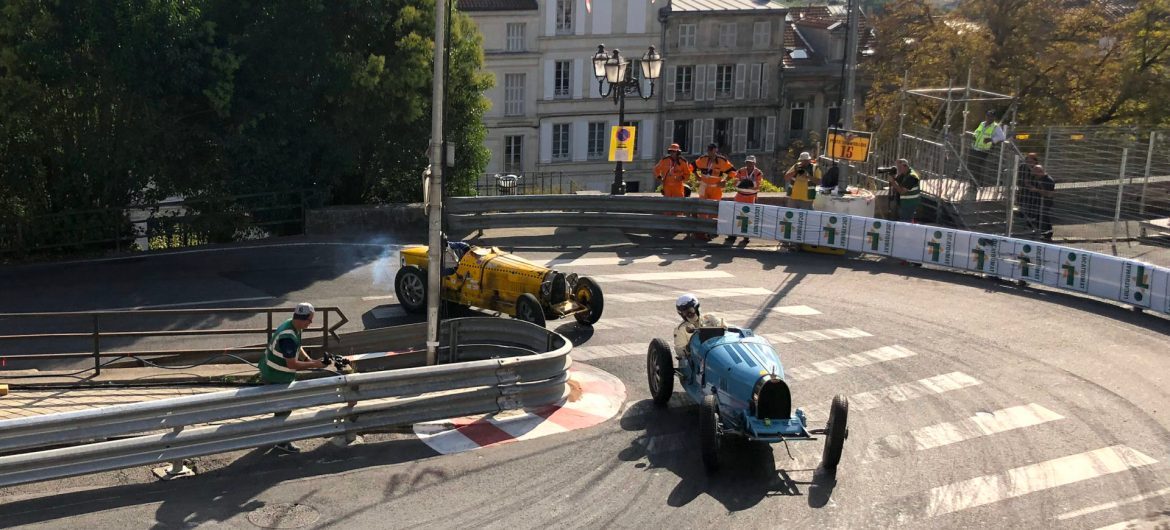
x: 531, y: 183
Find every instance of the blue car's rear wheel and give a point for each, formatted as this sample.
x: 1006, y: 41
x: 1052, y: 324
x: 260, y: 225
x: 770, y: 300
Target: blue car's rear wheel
x: 836, y: 432
x: 709, y: 432
x: 660, y: 371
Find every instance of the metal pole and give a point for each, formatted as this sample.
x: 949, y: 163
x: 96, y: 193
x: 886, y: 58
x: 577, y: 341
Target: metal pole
x: 435, y: 207
x: 1120, y: 189
x: 966, y: 111
x: 1146, y: 177
x: 619, y: 184
x: 850, y: 81
x: 1012, y: 199
x: 97, y: 352
x: 902, y: 115
x: 1047, y: 142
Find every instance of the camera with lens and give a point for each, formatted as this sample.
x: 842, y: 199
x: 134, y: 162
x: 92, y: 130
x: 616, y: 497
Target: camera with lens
x: 801, y: 171
x: 888, y: 170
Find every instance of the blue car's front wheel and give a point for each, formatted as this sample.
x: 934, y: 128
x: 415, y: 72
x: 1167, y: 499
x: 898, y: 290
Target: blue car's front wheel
x: 660, y: 371
x: 709, y: 432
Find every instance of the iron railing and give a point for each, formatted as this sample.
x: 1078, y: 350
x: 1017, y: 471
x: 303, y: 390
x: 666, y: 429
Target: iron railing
x: 524, y: 183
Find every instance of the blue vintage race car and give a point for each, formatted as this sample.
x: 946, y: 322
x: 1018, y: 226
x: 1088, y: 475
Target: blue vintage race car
x: 738, y: 381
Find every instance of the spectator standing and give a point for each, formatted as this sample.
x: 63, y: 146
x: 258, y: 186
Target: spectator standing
x: 714, y: 169
x: 747, y: 185
x: 988, y: 135
x: 1028, y: 200
x: 798, y: 180
x: 905, y: 186
x: 1045, y: 188
x: 673, y: 171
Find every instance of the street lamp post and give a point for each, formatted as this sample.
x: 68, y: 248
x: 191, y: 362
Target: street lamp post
x: 611, y: 69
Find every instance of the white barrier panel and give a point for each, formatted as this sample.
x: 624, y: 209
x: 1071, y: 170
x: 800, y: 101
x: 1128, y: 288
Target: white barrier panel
x: 1100, y: 275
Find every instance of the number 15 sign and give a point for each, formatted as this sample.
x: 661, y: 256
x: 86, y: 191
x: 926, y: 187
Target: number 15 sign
x: 843, y: 144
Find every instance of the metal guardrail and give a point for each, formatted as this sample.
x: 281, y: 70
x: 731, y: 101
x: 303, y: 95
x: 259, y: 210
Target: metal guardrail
x: 583, y: 211
x: 95, y: 328
x: 534, y: 374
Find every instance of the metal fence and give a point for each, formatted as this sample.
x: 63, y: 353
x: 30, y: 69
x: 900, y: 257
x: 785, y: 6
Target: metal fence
x: 530, y: 183
x: 507, y: 364
x: 169, y: 224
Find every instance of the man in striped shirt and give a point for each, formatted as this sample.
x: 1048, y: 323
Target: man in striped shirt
x: 282, y: 358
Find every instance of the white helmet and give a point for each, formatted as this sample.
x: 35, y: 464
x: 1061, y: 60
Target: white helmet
x: 685, y: 302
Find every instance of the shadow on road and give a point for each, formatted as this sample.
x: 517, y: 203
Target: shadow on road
x: 748, y: 471
x: 224, y: 493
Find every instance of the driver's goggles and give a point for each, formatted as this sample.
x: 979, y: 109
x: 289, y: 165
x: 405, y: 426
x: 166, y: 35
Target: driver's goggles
x: 688, y: 312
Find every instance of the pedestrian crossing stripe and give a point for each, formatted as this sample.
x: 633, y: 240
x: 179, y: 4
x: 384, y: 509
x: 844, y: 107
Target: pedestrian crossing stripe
x: 912, y: 390
x: 617, y: 260
x: 856, y: 360
x: 977, y: 426
x: 585, y: 353
x: 670, y: 322
x: 657, y: 276
x: 1024, y: 480
x: 663, y: 296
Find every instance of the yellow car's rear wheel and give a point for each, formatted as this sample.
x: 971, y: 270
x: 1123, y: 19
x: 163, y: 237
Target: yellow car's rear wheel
x: 528, y: 309
x: 410, y: 287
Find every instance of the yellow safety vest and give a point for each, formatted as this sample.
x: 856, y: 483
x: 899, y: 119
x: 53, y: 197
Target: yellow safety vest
x: 983, y: 135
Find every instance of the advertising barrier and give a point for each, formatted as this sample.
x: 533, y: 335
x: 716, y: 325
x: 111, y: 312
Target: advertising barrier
x: 1100, y: 275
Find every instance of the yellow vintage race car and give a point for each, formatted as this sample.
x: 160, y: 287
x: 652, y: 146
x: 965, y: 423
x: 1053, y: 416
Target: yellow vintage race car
x: 489, y: 278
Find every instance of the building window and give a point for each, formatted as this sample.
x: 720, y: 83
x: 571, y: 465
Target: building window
x: 513, y: 94
x: 513, y: 154
x: 834, y: 115
x: 727, y: 35
x: 796, y: 120
x: 762, y: 35
x: 722, y: 134
x: 562, y: 79
x: 560, y: 141
x: 755, y: 133
x: 596, y: 140
x: 564, y: 16
x: 686, y: 36
x: 724, y: 80
x: 682, y: 134
x: 684, y: 78
x: 634, y: 70
x: 516, y: 37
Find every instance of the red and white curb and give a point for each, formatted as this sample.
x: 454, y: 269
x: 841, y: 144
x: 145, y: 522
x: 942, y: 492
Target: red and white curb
x: 595, y: 396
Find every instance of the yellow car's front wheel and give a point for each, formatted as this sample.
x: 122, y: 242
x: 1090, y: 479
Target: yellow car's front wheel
x: 588, y: 294
x: 410, y: 286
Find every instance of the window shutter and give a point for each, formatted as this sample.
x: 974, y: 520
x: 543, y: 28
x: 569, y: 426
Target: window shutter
x: 549, y: 78
x: 578, y: 16
x: 696, y: 136
x: 645, y: 137
x: 550, y: 19
x: 579, y: 140
x: 753, y: 91
x: 765, y: 74
x: 708, y: 133
x: 711, y: 81
x: 575, y: 81
x: 699, y: 84
x: 768, y: 35
x: 716, y: 29
x: 667, y: 134
x: 545, y: 142
x: 740, y: 73
x: 739, y: 142
x: 670, y: 73
x: 770, y: 135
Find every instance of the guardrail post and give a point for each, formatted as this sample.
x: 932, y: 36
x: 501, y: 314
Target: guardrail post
x: 176, y: 468
x: 325, y: 330
x: 268, y: 339
x: 97, y: 354
x: 1120, y: 190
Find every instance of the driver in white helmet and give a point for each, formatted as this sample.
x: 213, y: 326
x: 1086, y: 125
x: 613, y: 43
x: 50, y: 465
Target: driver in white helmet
x: 688, y: 308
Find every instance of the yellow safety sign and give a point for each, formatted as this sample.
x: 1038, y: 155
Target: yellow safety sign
x: 621, y: 143
x: 844, y: 144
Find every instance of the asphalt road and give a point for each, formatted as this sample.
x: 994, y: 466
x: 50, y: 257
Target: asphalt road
x: 974, y: 404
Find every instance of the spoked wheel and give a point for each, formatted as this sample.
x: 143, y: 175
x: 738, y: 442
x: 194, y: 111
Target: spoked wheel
x: 709, y: 433
x: 410, y: 287
x: 528, y: 309
x: 660, y: 371
x: 588, y: 294
x: 836, y: 431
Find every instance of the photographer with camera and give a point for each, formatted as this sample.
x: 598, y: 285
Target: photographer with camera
x: 797, y: 181
x: 747, y: 185
x: 904, y: 188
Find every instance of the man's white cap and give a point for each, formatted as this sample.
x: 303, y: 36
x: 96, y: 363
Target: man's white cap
x: 750, y: 158
x: 805, y: 156
x: 304, y: 310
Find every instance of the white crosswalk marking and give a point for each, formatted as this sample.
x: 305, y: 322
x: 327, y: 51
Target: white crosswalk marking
x: 1028, y: 479
x: 669, y: 322
x: 985, y: 424
x: 655, y: 276
x: 664, y: 296
x: 585, y: 353
x: 616, y: 260
x: 856, y: 360
x: 913, y: 390
x: 1111, y: 505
